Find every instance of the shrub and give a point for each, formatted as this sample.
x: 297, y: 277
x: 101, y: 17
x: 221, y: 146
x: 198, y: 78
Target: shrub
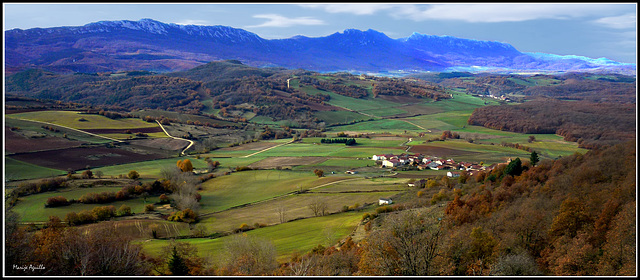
x: 124, y: 210
x: 72, y: 218
x: 384, y: 209
x: 87, y: 174
x: 104, y: 212
x: 242, y: 168
x: 186, y: 216
x: 133, y: 175
x: 149, y: 208
x: 56, y: 201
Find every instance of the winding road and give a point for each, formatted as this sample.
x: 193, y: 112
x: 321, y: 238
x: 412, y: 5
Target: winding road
x: 167, y: 133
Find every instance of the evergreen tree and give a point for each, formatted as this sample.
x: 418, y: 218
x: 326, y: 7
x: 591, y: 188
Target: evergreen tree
x: 534, y: 158
x: 177, y: 265
x: 514, y: 168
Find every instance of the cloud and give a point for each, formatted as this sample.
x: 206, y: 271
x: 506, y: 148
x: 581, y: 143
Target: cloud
x: 357, y: 9
x: 193, y: 22
x: 618, y: 22
x: 483, y: 12
x: 498, y: 12
x: 280, y: 21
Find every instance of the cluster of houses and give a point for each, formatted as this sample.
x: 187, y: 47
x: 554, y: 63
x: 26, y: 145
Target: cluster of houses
x: 421, y: 162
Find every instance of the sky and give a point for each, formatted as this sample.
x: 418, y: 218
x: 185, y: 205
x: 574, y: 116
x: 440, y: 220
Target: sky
x: 593, y: 30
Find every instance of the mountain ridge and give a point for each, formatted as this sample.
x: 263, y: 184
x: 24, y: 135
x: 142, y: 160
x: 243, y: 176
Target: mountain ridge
x: 151, y: 45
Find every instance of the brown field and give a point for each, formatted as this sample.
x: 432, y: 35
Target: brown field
x: 389, y: 138
x: 439, y: 151
x: 162, y: 143
x: 122, y: 131
x: 79, y: 158
x: 17, y: 143
x: 142, y: 226
x: 273, y: 162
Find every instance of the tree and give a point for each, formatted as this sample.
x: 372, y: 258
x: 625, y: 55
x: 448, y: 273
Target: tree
x: 531, y: 139
x: 124, y: 210
x: 87, y: 174
x: 249, y: 255
x: 177, y: 265
x: 404, y: 245
x: 514, y: 168
x: 318, y: 207
x: 133, y: 175
x: 319, y: 172
x: 534, y: 158
x: 185, y: 165
x: 281, y: 211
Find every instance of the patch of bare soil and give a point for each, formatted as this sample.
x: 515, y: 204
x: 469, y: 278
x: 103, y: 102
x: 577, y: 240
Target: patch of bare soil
x: 273, y: 162
x: 162, y: 143
x: 79, y: 158
x: 25, y: 142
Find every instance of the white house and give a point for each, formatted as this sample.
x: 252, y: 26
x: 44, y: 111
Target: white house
x: 453, y: 174
x: 390, y: 163
x: 383, y: 201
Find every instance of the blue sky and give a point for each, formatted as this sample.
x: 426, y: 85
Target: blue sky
x: 586, y: 29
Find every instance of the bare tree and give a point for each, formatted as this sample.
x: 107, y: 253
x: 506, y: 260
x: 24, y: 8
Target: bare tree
x: 318, y: 206
x: 250, y: 255
x: 281, y: 211
x: 393, y: 250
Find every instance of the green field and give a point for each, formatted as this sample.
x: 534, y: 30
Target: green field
x: 301, y: 236
x: 378, y: 126
x: 148, y: 169
x: 19, y: 170
x: 37, y: 127
x: 31, y: 208
x: 340, y: 117
x: 252, y: 186
x: 295, y: 207
x: 82, y: 121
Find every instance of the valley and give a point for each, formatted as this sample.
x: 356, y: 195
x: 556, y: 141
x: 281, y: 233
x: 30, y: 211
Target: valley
x: 257, y: 162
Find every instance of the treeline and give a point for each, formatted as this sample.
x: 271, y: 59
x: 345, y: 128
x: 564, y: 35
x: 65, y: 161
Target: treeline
x: 592, y: 125
x: 346, y: 141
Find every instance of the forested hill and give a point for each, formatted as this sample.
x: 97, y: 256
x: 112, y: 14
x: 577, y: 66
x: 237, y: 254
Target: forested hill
x: 590, y: 124
x: 222, y: 85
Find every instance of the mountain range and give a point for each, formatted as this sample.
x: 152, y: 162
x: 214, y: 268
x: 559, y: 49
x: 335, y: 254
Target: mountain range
x: 151, y: 45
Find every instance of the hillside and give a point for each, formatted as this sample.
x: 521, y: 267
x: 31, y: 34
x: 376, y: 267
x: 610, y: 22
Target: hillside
x: 223, y: 89
x: 155, y: 46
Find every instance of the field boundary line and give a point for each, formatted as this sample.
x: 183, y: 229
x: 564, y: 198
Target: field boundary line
x: 268, y: 149
x: 66, y: 127
x: 167, y: 133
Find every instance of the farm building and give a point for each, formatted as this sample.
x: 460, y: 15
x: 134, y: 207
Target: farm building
x: 453, y: 174
x: 383, y: 201
x: 390, y: 163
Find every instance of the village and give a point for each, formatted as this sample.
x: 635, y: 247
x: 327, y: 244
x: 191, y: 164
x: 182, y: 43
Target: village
x: 421, y: 162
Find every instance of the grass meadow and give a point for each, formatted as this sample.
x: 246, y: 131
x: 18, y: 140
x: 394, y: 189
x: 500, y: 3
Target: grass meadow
x: 19, y: 170
x: 301, y: 236
x: 83, y: 121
